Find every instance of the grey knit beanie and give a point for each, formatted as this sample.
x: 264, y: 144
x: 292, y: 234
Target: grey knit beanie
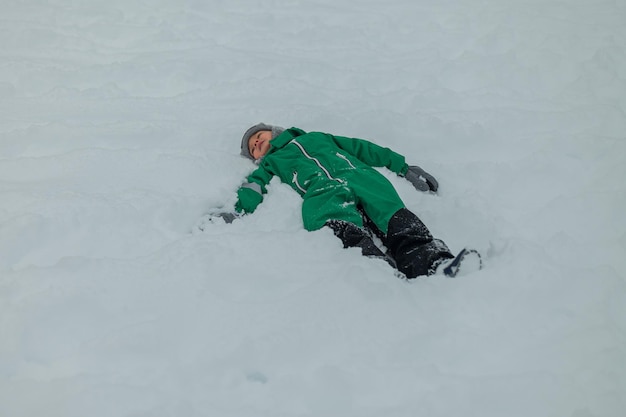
x: 245, y: 151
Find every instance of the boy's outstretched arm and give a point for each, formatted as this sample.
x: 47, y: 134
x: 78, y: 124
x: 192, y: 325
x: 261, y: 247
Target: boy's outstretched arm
x: 372, y: 154
x: 378, y: 156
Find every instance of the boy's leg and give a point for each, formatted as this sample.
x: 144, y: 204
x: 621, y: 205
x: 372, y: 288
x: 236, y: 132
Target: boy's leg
x: 355, y: 237
x: 368, y: 224
x: 376, y: 198
x: 408, y: 240
x: 334, y: 205
x: 412, y: 246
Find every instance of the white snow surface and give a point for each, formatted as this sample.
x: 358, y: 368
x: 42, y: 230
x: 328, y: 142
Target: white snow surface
x: 120, y: 127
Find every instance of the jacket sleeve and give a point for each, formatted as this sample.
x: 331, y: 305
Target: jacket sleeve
x: 372, y: 154
x: 250, y: 194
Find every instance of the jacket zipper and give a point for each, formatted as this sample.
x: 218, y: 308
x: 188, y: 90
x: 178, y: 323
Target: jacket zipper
x: 295, y: 181
x: 342, y: 156
x: 317, y: 162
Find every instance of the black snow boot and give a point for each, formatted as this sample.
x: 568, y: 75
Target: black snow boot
x: 353, y: 236
x: 412, y: 246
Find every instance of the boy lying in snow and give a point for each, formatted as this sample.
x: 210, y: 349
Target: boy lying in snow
x: 341, y: 190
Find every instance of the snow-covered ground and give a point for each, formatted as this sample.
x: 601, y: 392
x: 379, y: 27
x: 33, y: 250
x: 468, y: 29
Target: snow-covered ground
x: 120, y: 123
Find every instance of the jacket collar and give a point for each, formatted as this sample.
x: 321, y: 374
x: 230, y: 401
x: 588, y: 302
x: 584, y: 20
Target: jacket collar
x: 284, y: 138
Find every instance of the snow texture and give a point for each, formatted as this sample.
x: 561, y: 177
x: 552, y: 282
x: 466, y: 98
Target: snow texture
x: 121, y: 124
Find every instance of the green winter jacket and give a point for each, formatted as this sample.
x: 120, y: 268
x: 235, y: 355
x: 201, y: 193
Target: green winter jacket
x: 333, y: 174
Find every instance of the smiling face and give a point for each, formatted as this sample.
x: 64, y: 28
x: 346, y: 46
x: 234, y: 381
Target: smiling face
x: 259, y: 143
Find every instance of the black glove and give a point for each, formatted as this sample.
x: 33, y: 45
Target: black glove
x: 212, y: 218
x: 227, y: 217
x: 421, y: 179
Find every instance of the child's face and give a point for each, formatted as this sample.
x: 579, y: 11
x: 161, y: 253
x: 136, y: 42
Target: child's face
x: 259, y: 143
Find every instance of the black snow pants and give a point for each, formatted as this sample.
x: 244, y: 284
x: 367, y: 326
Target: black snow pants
x: 411, y: 247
